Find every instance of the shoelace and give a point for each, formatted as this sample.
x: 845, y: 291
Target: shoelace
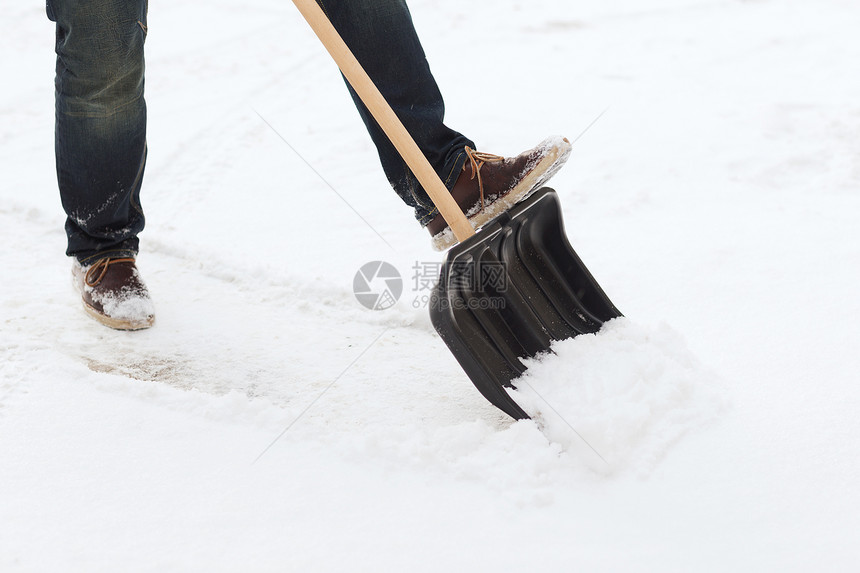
x: 101, y: 268
x: 478, y: 160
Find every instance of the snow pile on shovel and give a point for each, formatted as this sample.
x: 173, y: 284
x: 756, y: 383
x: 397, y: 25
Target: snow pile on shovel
x: 619, y: 398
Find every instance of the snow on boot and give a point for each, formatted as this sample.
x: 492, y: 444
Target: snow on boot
x: 114, y: 294
x: 490, y: 184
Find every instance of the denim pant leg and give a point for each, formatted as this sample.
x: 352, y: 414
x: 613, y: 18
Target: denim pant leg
x: 100, y: 133
x: 381, y: 35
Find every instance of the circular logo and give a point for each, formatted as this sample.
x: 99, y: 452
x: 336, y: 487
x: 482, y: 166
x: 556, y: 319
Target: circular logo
x: 377, y: 285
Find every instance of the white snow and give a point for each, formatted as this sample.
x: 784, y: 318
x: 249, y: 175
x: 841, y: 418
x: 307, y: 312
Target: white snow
x: 626, y: 394
x: 269, y: 422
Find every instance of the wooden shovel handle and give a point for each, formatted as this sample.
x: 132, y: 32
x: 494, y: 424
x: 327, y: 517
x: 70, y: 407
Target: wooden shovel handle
x: 387, y: 119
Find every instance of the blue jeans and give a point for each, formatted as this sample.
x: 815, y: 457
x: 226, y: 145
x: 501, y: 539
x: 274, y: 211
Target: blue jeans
x: 101, y: 112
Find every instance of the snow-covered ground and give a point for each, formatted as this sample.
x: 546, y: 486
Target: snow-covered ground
x: 269, y: 422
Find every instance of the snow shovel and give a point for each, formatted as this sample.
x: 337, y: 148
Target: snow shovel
x: 505, y: 293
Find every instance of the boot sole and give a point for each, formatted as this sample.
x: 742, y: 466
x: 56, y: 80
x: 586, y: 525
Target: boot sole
x: 117, y: 323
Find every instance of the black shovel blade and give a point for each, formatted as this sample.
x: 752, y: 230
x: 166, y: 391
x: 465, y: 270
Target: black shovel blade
x: 510, y: 291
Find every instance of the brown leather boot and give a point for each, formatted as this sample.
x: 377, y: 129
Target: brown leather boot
x: 489, y: 184
x: 114, y: 294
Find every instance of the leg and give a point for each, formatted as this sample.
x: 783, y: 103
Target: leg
x: 101, y: 152
x: 100, y: 123
x: 383, y: 38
